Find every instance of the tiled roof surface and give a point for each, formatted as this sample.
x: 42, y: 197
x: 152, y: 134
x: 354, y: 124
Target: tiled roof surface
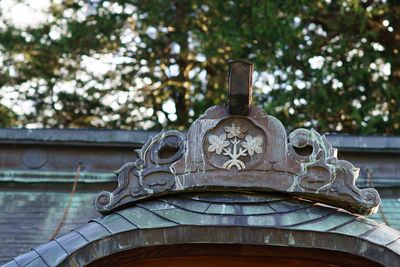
x: 210, y: 210
x: 389, y: 212
x: 29, y: 218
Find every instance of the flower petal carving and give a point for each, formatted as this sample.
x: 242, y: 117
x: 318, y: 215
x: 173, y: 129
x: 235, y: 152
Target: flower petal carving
x: 235, y: 130
x: 217, y: 143
x: 253, y: 144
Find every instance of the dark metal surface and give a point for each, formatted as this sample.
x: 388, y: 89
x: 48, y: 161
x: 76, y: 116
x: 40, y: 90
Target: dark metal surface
x: 124, y: 138
x: 220, y: 219
x: 366, y: 143
x: 29, y: 217
x: 71, y: 137
x: 240, y: 87
x: 378, y: 166
x: 30, y: 161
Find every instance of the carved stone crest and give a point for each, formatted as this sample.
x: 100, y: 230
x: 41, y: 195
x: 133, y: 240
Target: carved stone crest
x: 235, y: 145
x: 230, y: 148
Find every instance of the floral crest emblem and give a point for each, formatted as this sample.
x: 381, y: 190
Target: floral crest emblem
x: 232, y: 145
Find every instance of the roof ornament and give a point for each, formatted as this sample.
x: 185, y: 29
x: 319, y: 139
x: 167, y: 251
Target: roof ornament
x: 236, y: 146
x: 239, y: 147
x: 240, y: 87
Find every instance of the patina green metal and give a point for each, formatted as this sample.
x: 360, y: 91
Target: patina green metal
x: 43, y: 176
x: 220, y: 218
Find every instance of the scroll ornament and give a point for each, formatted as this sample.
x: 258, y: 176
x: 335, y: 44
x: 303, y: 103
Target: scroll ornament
x: 240, y: 148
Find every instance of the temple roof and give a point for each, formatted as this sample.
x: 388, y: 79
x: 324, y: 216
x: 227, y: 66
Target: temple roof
x: 217, y: 210
x: 24, y: 191
x: 236, y: 176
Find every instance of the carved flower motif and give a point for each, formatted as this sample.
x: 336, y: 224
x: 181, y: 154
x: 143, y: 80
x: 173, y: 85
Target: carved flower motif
x: 235, y: 130
x: 217, y: 143
x: 253, y: 145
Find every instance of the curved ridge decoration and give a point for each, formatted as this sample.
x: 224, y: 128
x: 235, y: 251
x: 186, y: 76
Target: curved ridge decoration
x: 240, y: 150
x: 303, y: 164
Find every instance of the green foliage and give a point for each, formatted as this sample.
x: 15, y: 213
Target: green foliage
x: 330, y: 65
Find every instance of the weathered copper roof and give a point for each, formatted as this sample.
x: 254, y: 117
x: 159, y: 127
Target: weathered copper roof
x: 27, y: 204
x: 30, y: 218
x: 70, y: 137
x: 303, y: 222
x: 236, y: 148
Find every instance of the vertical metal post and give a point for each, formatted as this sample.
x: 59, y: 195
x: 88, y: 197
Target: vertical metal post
x: 240, y: 87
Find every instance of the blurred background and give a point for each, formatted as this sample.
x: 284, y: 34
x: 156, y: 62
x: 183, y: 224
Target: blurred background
x: 149, y: 64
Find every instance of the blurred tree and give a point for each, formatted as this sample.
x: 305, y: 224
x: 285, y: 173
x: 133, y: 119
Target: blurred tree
x: 150, y: 64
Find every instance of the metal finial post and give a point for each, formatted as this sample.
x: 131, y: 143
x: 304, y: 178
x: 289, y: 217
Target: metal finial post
x: 240, y: 87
